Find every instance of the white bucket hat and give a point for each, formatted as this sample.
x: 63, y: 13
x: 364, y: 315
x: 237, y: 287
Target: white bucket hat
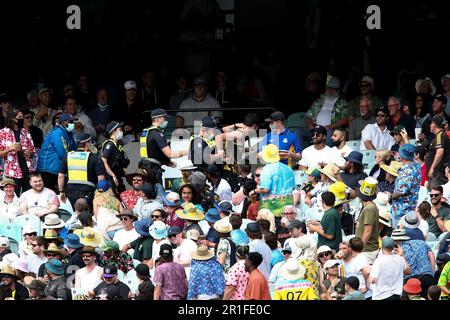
x: 292, y: 270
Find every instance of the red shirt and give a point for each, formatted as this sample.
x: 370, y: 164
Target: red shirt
x: 257, y: 287
x: 130, y: 198
x: 173, y: 221
x: 424, y: 175
x: 252, y: 210
x: 12, y: 168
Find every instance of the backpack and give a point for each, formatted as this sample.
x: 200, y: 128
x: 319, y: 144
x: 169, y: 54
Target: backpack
x: 233, y: 251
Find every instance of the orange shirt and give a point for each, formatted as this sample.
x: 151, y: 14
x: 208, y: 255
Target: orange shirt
x: 257, y: 287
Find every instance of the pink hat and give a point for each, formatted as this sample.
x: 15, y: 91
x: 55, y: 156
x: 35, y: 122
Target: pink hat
x: 21, y: 264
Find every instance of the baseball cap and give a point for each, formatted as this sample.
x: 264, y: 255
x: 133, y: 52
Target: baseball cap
x: 66, y: 117
x: 28, y: 230
x: 397, y: 129
x: 174, y: 230
x: 439, y: 120
x: 286, y: 248
x: 382, y: 109
x: 192, y: 234
x: 387, y: 243
x: 276, y: 116
x: 208, y: 122
x: 224, y: 206
x: 165, y: 250
x: 113, y: 125
x: 331, y: 263
x: 295, y: 224
x: 130, y: 84
x: 109, y: 271
x: 441, y: 98
x: 319, y: 129
x: 142, y: 270
x: 83, y: 137
x: 45, y: 90
x: 334, y: 83
x: 4, y: 242
x: 252, y: 227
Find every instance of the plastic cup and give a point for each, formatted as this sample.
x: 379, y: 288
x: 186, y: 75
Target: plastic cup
x: 417, y: 131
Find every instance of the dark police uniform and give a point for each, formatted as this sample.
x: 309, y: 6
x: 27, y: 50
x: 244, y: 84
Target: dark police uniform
x: 117, y: 160
x: 201, y: 148
x: 82, y: 169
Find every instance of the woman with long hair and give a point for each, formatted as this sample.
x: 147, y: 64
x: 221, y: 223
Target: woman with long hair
x: 17, y: 148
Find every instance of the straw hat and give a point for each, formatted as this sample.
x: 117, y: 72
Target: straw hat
x: 392, y: 169
x: 202, y: 253
x: 368, y: 189
x: 7, y: 181
x: 399, y: 235
x: 410, y: 220
x: 430, y: 82
x: 190, y: 212
x: 139, y: 172
x: 292, y: 270
x: 50, y: 234
x: 223, y: 226
x: 270, y: 153
x: 338, y: 189
x: 8, y: 270
x: 330, y: 171
x: 54, y: 249
x: 89, y: 237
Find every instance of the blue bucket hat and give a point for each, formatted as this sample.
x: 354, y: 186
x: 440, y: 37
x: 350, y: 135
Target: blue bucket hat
x: 212, y: 215
x: 355, y: 157
x: 224, y: 206
x: 73, y: 241
x: 142, y: 226
x: 158, y: 230
x: 407, y: 152
x: 55, y: 266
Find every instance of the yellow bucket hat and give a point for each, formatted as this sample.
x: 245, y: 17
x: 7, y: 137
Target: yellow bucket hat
x: 270, y: 154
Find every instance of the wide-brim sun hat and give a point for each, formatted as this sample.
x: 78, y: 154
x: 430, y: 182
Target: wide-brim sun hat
x: 393, y: 168
x: 223, y: 226
x: 368, y: 189
x: 328, y: 170
x: 53, y: 248
x: 325, y: 248
x: 410, y: 220
x: 270, y: 154
x: 139, y: 172
x: 52, y: 221
x: 384, y: 218
x: 89, y: 237
x: 190, y: 212
x: 8, y: 271
x: 128, y: 213
x: 202, y: 253
x: 400, y: 235
x: 158, y: 230
x: 292, y: 270
x: 430, y: 82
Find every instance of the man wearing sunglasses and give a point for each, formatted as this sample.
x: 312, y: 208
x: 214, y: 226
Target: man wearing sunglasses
x: 366, y: 88
x: 25, y: 246
x: 35, y: 132
x: 376, y: 136
x: 128, y: 234
x: 319, y: 153
x: 37, y: 258
x: 440, y: 210
x: 59, y: 141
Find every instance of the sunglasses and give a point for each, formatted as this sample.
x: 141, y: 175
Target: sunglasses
x: 30, y: 234
x: 124, y: 219
x: 325, y: 254
x: 316, y: 134
x: 380, y: 115
x: 172, y: 236
x: 289, y: 212
x: 28, y: 117
x: 364, y: 85
x: 137, y: 179
x: 155, y: 217
x: 435, y: 195
x: 86, y: 255
x: 257, y: 175
x: 51, y: 255
x: 34, y: 245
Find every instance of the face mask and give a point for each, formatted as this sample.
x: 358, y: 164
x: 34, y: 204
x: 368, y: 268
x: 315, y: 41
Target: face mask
x: 20, y: 123
x: 273, y: 127
x: 93, y: 149
x: 119, y: 135
x: 164, y: 124
x: 70, y: 127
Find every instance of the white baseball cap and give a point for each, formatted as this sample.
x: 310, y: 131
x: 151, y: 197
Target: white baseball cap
x: 28, y: 229
x: 4, y: 242
x: 130, y: 84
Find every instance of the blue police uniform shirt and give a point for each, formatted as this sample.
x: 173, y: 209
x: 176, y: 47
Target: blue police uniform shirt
x: 284, y: 141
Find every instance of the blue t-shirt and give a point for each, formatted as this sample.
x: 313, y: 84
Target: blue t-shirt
x: 278, y: 178
x: 284, y: 141
x: 211, y: 236
x: 239, y: 237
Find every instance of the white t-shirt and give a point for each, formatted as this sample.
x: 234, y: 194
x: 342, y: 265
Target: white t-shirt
x: 155, y: 249
x: 258, y: 245
x: 10, y: 210
x: 358, y: 263
x: 381, y: 140
x: 324, y: 116
x: 424, y: 227
x: 223, y: 190
x: 123, y: 237
x: 311, y: 157
x: 339, y: 155
x: 446, y: 193
x: 89, y: 280
x: 388, y: 269
x: 34, y: 262
x: 183, y: 253
x: 37, y: 201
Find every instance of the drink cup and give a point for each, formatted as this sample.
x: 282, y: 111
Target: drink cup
x: 417, y: 131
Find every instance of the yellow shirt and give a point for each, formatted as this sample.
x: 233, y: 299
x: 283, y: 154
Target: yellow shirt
x: 294, y: 290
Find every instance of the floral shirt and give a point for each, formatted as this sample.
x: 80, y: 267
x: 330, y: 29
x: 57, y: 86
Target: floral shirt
x: 386, y: 186
x: 11, y: 165
x: 312, y: 273
x: 407, y: 183
x: 416, y: 254
x: 238, y: 278
x: 224, y: 247
x: 130, y: 197
x: 339, y: 109
x: 206, y: 278
x: 123, y: 262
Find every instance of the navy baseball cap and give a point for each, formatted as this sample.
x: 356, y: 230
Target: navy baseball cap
x: 209, y: 122
x: 319, y: 129
x: 67, y: 117
x: 159, y: 113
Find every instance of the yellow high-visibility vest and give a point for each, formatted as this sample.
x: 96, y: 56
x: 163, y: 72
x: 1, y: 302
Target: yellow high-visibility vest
x: 143, y: 141
x: 77, y: 164
x: 210, y: 143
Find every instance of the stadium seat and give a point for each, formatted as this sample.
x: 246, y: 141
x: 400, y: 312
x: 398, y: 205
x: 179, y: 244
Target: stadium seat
x: 14, y: 246
x: 300, y: 177
x: 442, y: 236
x: 65, y: 206
x: 432, y: 244
x: 12, y: 231
x: 431, y: 237
x: 64, y: 215
x: 136, y: 262
x: 423, y: 195
x: 30, y: 220
x: 354, y: 144
x: 369, y: 158
x: 296, y: 120
x: 131, y: 280
x: 348, y: 238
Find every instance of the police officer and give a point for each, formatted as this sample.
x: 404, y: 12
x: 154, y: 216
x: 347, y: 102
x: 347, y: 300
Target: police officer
x: 202, y: 146
x: 155, y: 150
x: 83, y: 168
x: 114, y: 157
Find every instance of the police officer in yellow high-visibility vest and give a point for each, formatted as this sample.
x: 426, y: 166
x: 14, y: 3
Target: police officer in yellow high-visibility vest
x: 155, y: 150
x: 202, y: 146
x: 83, y: 169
